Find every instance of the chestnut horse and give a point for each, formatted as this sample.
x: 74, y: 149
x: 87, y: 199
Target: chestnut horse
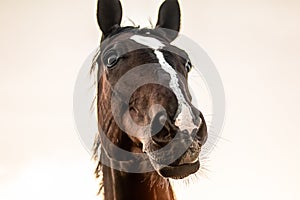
x: 149, y: 131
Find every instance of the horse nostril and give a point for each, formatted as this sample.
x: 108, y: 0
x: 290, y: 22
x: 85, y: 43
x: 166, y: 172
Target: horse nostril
x: 202, y: 134
x: 159, y: 130
x: 162, y: 119
x: 158, y: 122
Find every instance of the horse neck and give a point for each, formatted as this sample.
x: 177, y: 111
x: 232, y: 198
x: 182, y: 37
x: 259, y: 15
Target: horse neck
x: 135, y: 186
x: 120, y: 185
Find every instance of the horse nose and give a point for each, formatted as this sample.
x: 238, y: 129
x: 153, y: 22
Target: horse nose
x: 201, y: 130
x: 163, y: 130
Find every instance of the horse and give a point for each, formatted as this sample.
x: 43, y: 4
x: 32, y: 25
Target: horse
x: 149, y: 113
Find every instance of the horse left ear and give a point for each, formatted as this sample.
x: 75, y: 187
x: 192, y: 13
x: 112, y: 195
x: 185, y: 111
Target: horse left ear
x: 109, y: 15
x: 169, y: 17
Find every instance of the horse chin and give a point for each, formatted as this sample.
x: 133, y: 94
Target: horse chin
x: 179, y: 171
x: 179, y: 168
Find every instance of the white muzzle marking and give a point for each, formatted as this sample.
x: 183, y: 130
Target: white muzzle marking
x: 184, y: 115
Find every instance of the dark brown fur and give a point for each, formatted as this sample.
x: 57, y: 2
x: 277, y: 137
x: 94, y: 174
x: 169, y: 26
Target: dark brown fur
x: 150, y: 185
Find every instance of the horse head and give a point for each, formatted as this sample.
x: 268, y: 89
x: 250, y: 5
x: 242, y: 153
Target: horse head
x: 144, y: 103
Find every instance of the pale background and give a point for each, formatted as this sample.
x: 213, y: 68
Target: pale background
x: 254, y: 44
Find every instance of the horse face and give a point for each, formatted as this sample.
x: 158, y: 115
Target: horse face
x: 158, y: 116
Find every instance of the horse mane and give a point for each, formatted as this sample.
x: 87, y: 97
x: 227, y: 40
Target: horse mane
x: 96, y: 149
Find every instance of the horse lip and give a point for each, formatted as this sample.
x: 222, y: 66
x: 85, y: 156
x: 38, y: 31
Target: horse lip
x: 190, y: 156
x: 182, y: 161
x: 179, y: 171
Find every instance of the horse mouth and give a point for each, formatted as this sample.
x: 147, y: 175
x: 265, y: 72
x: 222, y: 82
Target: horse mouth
x: 180, y: 171
x: 168, y: 165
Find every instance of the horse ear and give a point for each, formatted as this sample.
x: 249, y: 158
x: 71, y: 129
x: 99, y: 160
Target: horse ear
x: 169, y: 17
x: 109, y: 14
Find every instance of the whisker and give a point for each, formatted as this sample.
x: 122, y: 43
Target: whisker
x: 210, y: 126
x: 218, y: 136
x: 210, y: 143
x: 204, y: 158
x: 203, y: 174
x: 207, y: 115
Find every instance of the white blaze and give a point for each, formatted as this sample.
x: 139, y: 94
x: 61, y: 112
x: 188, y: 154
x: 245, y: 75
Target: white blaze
x: 184, y: 119
x: 153, y: 43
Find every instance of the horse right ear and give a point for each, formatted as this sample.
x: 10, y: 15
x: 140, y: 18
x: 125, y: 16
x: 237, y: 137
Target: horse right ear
x: 169, y: 18
x: 109, y: 14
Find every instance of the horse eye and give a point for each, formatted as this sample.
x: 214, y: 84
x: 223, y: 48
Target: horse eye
x: 110, y: 58
x: 188, y: 66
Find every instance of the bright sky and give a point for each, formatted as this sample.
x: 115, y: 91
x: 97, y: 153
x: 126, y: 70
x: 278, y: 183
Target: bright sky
x: 254, y: 44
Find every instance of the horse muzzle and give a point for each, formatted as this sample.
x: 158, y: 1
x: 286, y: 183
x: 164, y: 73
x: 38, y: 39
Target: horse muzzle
x: 174, y: 153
